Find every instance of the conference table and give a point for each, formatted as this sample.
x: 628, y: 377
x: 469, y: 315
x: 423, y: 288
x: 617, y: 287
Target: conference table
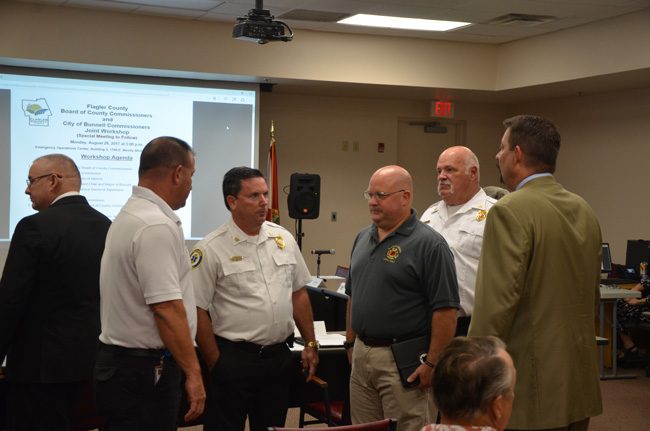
x: 611, y: 294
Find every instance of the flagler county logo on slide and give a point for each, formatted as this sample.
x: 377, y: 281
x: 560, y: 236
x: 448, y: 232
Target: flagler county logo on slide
x: 38, y: 112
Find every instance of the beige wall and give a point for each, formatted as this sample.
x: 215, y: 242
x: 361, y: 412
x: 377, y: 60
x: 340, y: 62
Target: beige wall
x: 604, y: 157
x: 309, y: 133
x: 605, y: 153
x: 39, y: 32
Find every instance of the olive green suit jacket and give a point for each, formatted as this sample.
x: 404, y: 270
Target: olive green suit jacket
x: 537, y: 289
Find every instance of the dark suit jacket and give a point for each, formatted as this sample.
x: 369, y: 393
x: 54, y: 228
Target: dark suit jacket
x: 49, y: 294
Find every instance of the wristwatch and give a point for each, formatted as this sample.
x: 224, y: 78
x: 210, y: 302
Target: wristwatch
x: 425, y: 361
x: 313, y: 344
x: 347, y: 345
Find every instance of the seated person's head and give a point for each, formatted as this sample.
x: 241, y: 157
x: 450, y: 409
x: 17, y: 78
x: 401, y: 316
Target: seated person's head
x: 474, y: 382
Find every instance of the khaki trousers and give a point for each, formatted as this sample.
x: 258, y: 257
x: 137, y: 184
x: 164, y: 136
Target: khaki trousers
x: 376, y: 391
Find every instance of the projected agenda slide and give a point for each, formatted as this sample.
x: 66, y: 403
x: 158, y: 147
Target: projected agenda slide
x: 103, y: 126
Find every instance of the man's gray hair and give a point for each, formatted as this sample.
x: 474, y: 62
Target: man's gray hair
x: 469, y: 376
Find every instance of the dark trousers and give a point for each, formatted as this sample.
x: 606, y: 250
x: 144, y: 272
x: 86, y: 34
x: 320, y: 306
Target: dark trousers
x: 128, y: 395
x: 244, y: 383
x: 41, y: 406
x: 462, y: 326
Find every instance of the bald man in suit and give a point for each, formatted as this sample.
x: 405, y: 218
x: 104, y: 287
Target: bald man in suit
x: 49, y: 298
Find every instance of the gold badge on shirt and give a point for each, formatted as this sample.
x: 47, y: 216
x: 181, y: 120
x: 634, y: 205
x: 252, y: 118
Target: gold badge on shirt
x: 196, y: 257
x: 393, y: 253
x: 236, y: 258
x: 279, y: 241
x: 480, y: 215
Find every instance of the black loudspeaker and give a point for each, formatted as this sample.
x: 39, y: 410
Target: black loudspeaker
x: 304, y: 196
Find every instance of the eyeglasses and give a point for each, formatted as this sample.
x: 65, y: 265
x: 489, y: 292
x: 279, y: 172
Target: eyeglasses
x: 379, y: 195
x: 31, y: 181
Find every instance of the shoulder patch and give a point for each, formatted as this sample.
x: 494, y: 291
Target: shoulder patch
x: 196, y: 257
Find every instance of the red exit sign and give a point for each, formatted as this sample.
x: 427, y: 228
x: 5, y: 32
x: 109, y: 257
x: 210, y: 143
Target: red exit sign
x: 442, y: 109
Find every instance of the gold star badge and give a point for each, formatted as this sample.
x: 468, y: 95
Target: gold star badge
x: 279, y: 241
x: 480, y: 216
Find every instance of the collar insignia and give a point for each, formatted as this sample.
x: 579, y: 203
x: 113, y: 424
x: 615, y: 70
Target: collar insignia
x: 196, y: 257
x: 480, y: 215
x: 393, y: 253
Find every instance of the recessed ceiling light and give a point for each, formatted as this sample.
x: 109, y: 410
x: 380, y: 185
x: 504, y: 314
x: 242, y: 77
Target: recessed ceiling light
x: 403, y: 23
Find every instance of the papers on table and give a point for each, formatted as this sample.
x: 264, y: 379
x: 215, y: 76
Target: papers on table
x: 324, y: 338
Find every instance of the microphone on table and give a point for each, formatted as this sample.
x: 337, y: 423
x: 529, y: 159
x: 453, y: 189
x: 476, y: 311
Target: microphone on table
x: 330, y: 251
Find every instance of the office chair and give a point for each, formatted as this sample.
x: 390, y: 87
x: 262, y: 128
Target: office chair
x: 326, y: 411
x: 382, y: 425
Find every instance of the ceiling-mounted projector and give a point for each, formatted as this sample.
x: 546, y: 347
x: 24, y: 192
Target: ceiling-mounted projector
x: 259, y: 26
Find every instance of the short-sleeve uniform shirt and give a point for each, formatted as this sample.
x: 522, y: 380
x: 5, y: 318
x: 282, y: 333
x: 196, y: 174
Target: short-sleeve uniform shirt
x: 246, y: 282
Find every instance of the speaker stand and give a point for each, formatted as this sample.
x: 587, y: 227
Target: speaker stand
x: 299, y: 234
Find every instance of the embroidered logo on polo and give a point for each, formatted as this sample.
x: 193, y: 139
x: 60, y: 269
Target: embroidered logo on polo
x: 196, y: 257
x: 392, y: 253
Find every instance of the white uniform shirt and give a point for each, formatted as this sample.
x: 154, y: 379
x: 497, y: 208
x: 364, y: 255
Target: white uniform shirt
x: 145, y: 262
x: 246, y: 283
x: 463, y: 231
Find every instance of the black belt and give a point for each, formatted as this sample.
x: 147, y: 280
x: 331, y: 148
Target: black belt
x: 135, y: 351
x: 381, y: 342
x: 258, y: 349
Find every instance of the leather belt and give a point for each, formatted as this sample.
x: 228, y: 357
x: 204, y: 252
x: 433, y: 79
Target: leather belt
x: 258, y: 349
x: 381, y: 342
x: 135, y: 351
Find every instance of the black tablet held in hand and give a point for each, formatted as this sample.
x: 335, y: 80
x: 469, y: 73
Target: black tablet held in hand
x: 407, y: 357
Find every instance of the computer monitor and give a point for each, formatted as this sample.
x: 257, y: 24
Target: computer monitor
x: 606, y: 262
x: 329, y: 306
x: 637, y: 251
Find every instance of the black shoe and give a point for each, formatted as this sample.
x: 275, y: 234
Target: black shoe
x: 628, y: 358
